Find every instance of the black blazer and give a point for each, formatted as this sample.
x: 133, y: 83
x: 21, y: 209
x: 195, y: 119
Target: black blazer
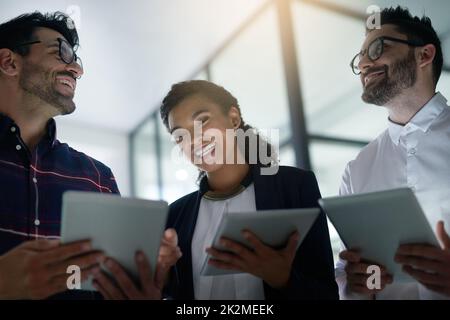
x: 312, y: 275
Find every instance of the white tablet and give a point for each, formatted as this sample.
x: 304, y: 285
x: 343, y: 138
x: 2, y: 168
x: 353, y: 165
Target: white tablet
x: 377, y: 223
x: 273, y: 227
x: 116, y: 225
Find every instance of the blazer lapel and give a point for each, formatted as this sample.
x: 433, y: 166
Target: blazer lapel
x: 267, y: 190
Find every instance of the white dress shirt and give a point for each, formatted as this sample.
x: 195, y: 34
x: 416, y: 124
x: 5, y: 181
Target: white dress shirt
x: 226, y: 287
x: 416, y: 155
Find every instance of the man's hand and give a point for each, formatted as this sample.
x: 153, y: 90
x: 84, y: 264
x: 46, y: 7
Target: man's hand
x: 357, y: 276
x: 121, y: 287
x: 37, y: 269
x: 273, y: 266
x: 429, y: 265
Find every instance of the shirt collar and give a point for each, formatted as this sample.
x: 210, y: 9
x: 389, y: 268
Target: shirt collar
x: 421, y: 121
x: 6, y: 123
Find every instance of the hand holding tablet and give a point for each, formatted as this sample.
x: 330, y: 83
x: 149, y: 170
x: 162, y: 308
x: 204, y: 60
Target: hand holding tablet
x: 272, y: 227
x: 118, y: 226
x: 377, y: 224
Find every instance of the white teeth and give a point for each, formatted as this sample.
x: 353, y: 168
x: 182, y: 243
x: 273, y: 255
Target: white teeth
x: 370, y: 76
x: 68, y: 83
x: 204, y: 151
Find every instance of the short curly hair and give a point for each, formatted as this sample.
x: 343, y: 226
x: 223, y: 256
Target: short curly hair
x: 21, y: 29
x: 416, y: 29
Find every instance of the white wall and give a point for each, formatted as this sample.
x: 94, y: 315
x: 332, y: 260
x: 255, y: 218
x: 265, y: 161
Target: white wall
x: 105, y: 145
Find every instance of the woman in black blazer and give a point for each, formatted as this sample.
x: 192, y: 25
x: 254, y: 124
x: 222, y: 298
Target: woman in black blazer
x: 230, y: 181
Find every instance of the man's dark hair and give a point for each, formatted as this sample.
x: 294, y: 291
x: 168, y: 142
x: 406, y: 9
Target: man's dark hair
x: 20, y: 30
x: 416, y: 29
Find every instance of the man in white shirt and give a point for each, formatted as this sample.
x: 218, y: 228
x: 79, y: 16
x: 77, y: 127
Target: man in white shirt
x: 399, y: 67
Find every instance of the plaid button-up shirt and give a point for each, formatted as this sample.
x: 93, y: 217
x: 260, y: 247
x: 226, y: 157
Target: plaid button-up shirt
x: 32, y: 184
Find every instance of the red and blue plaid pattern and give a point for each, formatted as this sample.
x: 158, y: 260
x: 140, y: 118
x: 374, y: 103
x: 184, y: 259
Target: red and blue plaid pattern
x: 32, y: 183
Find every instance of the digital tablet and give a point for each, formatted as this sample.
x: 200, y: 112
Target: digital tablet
x: 273, y: 227
x: 116, y: 225
x: 377, y: 223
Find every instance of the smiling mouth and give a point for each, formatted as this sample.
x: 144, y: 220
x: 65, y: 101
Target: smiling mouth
x: 66, y: 82
x: 205, y: 150
x: 371, y: 76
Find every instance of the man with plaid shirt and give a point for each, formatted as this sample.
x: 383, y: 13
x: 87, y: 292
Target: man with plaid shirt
x: 39, y: 70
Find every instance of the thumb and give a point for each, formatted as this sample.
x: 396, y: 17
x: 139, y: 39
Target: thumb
x: 291, y: 247
x: 443, y: 235
x: 160, y: 276
x: 170, y: 237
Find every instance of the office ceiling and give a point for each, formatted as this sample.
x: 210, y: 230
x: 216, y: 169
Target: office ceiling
x: 134, y: 50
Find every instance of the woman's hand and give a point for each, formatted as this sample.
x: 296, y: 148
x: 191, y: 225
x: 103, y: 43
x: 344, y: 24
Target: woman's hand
x: 273, y: 266
x: 150, y: 285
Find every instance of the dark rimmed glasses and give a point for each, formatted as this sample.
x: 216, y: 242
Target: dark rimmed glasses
x: 66, y: 51
x: 375, y: 51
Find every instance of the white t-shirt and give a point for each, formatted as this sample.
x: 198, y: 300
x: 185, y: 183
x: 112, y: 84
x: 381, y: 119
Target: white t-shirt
x: 226, y: 287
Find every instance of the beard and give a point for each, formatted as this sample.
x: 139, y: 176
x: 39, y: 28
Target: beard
x: 403, y: 76
x: 38, y: 82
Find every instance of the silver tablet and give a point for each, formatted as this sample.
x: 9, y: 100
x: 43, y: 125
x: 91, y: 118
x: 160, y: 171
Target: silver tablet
x: 118, y: 226
x: 377, y: 223
x: 273, y: 227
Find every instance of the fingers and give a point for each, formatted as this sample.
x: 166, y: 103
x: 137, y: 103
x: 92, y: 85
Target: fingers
x: 423, y: 264
x: 104, y: 284
x: 360, y: 289
x: 260, y: 248
x: 169, y: 252
x: 123, y: 280
x: 358, y: 283
x: 171, y: 237
x: 65, y: 252
x: 84, y: 261
x: 167, y: 249
x: 168, y: 255
x: 160, y: 277
x: 423, y: 276
x: 60, y: 284
x: 291, y: 247
x: 229, y: 258
x: 361, y: 279
x: 443, y: 235
x: 224, y: 265
x: 357, y: 278
x: 237, y: 248
x: 102, y: 290
x: 364, y: 290
x: 361, y: 268
x: 352, y: 256
x: 421, y: 251
x: 145, y: 271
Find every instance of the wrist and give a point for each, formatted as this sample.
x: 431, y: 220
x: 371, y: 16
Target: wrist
x: 280, y: 282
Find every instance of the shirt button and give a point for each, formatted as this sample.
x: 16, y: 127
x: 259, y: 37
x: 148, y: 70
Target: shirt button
x: 37, y: 222
x: 34, y: 180
x: 18, y: 147
x: 13, y: 129
x: 412, y: 151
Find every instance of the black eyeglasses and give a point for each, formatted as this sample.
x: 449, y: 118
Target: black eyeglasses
x: 66, y: 51
x: 375, y: 51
